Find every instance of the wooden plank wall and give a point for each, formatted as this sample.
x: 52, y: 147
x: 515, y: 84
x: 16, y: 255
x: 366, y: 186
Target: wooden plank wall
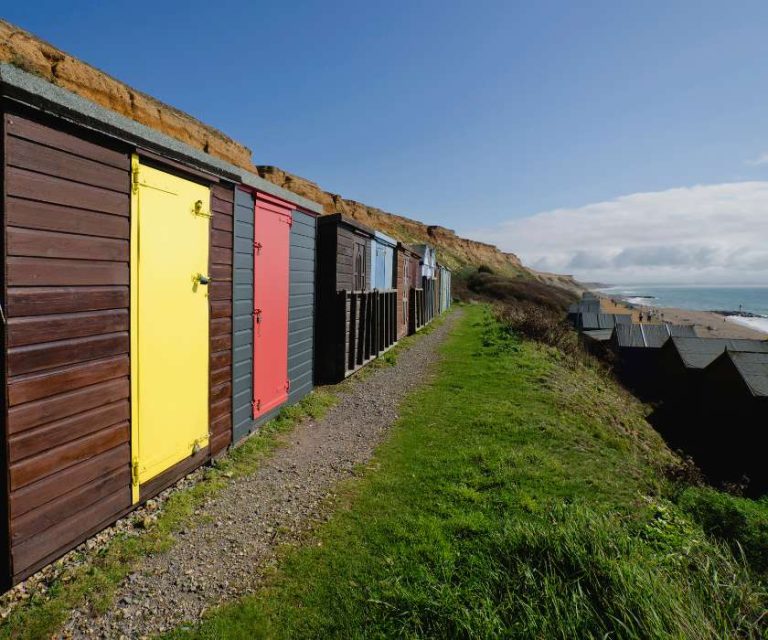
x: 220, y: 298
x: 345, y: 272
x: 301, y: 307
x: 67, y: 215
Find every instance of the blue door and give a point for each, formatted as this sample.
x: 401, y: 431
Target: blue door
x: 381, y: 268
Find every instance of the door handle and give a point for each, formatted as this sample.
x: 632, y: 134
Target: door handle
x: 201, y: 279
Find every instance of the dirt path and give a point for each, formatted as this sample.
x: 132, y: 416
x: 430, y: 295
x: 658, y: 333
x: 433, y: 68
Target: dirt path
x: 225, y: 558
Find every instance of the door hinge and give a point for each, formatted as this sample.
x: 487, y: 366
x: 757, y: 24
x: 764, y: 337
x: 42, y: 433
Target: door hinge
x: 135, y: 473
x: 135, y: 174
x: 287, y: 385
x: 257, y: 246
x: 257, y: 315
x: 256, y: 405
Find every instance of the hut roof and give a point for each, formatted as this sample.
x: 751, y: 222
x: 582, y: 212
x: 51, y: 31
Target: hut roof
x: 591, y: 306
x: 753, y: 368
x: 601, y: 320
x: 651, y: 336
x: 340, y: 218
x: 383, y: 238
x: 697, y: 353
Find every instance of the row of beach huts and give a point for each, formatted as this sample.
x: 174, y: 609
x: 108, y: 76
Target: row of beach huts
x: 158, y: 305
x: 710, y: 394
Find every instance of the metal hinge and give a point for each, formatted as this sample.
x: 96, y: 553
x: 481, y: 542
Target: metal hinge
x: 287, y: 385
x: 2, y: 314
x: 135, y: 472
x: 135, y: 174
x: 257, y: 246
x: 256, y: 406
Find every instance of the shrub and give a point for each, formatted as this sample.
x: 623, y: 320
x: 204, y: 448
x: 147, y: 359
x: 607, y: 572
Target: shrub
x: 494, y: 287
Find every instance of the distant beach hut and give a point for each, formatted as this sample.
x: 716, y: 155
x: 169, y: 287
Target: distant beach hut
x: 637, y: 349
x: 735, y: 403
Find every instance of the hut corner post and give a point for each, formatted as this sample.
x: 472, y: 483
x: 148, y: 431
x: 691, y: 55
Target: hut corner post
x: 5, y: 548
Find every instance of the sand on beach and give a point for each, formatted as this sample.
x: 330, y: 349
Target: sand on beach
x: 707, y: 323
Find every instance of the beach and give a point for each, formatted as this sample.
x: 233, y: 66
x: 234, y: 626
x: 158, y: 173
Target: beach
x: 707, y: 323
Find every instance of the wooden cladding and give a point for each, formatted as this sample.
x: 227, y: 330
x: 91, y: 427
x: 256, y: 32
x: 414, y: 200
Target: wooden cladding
x: 67, y: 235
x: 220, y: 298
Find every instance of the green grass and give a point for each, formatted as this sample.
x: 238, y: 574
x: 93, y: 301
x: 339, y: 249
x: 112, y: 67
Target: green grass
x: 740, y: 522
x: 94, y: 583
x: 519, y: 496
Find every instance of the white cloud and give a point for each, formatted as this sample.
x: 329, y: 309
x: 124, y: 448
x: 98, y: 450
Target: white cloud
x: 702, y: 234
x: 761, y: 159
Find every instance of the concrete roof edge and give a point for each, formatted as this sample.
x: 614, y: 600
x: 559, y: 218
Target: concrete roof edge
x: 41, y: 94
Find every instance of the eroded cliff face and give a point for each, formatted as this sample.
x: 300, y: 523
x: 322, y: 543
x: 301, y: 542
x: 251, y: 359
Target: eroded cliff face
x: 454, y: 251
x: 24, y: 50
x: 21, y: 49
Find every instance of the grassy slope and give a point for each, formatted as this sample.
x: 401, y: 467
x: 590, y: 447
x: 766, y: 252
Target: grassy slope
x: 518, y: 497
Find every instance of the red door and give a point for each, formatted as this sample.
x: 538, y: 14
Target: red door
x: 271, y: 241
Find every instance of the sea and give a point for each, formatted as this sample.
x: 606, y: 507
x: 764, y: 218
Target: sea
x: 748, y: 299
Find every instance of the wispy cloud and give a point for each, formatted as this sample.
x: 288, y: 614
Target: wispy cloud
x: 761, y: 159
x: 705, y: 233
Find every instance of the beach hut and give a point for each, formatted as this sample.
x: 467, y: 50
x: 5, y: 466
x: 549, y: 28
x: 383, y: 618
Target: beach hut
x: 735, y: 403
x: 682, y: 359
x: 681, y: 365
x: 274, y: 305
x: 637, y: 349
x: 351, y: 328
x: 428, y: 264
x: 410, y: 296
x: 117, y: 315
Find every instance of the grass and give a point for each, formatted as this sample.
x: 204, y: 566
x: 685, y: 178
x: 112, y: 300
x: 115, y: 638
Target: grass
x: 517, y: 497
x: 94, y: 583
x: 739, y: 522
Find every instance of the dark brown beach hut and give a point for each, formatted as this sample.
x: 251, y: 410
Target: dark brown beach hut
x: 735, y: 405
x: 410, y: 316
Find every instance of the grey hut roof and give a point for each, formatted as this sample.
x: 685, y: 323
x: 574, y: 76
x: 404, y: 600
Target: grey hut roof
x: 753, y: 368
x: 592, y: 306
x: 601, y: 320
x: 651, y: 336
x: 697, y: 353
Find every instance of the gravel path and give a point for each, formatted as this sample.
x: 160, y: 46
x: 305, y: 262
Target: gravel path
x: 225, y: 557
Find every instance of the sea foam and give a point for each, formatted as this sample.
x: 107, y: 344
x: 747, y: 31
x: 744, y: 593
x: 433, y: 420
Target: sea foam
x: 758, y: 323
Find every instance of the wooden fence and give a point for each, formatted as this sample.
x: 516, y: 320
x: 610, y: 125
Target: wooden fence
x: 416, y: 311
x: 368, y: 320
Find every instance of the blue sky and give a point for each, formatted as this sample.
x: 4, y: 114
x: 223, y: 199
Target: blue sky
x: 480, y: 116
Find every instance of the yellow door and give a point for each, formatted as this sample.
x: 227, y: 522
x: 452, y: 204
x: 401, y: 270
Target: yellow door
x: 169, y: 320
